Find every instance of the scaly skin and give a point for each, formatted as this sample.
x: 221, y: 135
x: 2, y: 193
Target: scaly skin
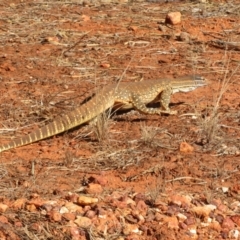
x: 134, y: 95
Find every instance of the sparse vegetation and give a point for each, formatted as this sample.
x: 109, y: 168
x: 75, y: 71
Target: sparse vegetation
x: 210, y: 121
x: 101, y: 126
x: 53, y: 55
x: 148, y: 134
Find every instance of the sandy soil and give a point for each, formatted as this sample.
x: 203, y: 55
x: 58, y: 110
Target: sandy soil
x: 132, y: 176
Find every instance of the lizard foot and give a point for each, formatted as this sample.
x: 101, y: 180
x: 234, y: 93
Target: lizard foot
x: 170, y: 112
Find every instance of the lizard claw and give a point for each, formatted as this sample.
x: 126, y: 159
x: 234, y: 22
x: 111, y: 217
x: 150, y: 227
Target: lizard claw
x: 173, y: 112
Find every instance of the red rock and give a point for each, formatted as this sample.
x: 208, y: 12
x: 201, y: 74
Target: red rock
x: 128, y: 201
x: 31, y: 207
x: 118, y: 204
x: 159, y: 203
x: 130, y: 228
x: 3, y: 236
x: 173, y: 18
x: 181, y: 217
x: 19, y: 203
x: 116, y: 195
x: 86, y: 208
x: 133, y: 236
x: 215, y: 226
x: 7, y: 66
x: 131, y: 218
x: 173, y: 210
x: 3, y: 207
x: 223, y: 208
x: 181, y: 200
x: 73, y: 207
x: 235, y: 206
x: 34, y: 195
x: 55, y: 216
x: 85, y: 18
x: 18, y: 224
x: 74, y: 231
x: 69, y: 216
x: 36, y: 227
x: 72, y: 197
x: 172, y: 222
x: 64, y: 209
x: 84, y: 200
x: 90, y: 214
x: 51, y: 202
x: 142, y: 207
x: 185, y: 37
x: 133, y: 28
x: 185, y: 147
x: 103, y: 224
x: 94, y: 188
x: 102, y: 180
x: 101, y: 212
x: 183, y: 225
x: 236, y: 219
x: 52, y: 40
x: 219, y: 218
x: 150, y: 217
x: 83, y: 222
x: 26, y: 184
x: 158, y: 217
x: 126, y: 211
x: 190, y: 220
x: 3, y: 219
x: 139, y: 196
x: 219, y: 204
x: 47, y: 207
x: 228, y: 224
x: 203, y: 211
x: 140, y: 218
x: 21, y: 169
x: 105, y: 65
x: 162, y: 207
x: 37, y: 202
x: 235, y: 188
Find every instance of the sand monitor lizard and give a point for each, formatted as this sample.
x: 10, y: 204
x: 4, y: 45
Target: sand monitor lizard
x: 125, y: 94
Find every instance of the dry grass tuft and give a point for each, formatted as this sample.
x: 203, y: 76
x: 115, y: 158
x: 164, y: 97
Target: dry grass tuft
x: 210, y: 126
x: 101, y: 126
x: 148, y: 134
x: 210, y: 123
x: 155, y: 137
x: 154, y: 192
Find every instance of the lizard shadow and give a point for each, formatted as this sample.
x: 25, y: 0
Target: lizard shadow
x: 119, y: 113
x: 118, y: 116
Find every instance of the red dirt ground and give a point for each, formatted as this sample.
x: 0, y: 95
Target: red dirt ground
x: 148, y: 177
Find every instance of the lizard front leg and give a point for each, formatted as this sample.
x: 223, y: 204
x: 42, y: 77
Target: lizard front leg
x: 140, y: 106
x: 165, y: 98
